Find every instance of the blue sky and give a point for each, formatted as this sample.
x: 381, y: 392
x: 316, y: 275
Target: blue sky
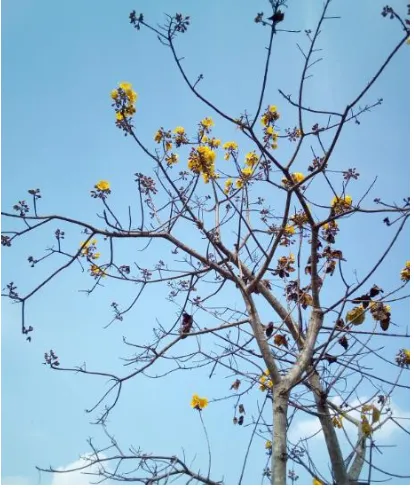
x: 60, y: 60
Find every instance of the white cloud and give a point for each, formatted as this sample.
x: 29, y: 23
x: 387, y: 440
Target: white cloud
x: 78, y: 477
x: 302, y: 429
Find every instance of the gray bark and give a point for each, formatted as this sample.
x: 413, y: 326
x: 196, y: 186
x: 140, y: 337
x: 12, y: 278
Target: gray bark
x: 331, y: 439
x: 279, y: 445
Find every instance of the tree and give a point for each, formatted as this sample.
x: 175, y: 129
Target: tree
x: 250, y: 236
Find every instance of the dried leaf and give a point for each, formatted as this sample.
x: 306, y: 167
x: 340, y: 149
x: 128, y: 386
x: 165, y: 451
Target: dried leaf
x: 280, y: 340
x: 344, y: 342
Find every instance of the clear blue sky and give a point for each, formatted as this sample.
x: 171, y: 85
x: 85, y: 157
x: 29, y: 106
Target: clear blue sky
x: 60, y: 60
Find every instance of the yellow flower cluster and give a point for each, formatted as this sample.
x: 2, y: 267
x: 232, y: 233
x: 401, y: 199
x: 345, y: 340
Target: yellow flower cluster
x: 198, y: 403
x: 251, y: 159
x: 96, y: 271
x: 356, y: 316
x: 405, y: 273
x: 124, y: 101
x: 268, y: 445
x: 296, y: 177
x: 270, y: 116
x: 164, y: 136
x: 340, y: 205
x: 103, y: 185
x: 204, y: 127
x: 211, y: 142
x: 289, y: 230
x: 172, y: 159
x: 265, y: 382
x: 201, y: 161
x: 207, y: 123
x: 403, y: 358
x: 270, y: 137
x: 231, y: 148
x: 227, y: 186
x: 88, y: 249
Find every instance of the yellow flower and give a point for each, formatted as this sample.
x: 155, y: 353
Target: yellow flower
x: 269, y: 130
x: 272, y: 109
x: 172, y: 159
x: 340, y: 204
x: 227, y: 186
x: 125, y: 86
x: 230, y: 146
x: 407, y: 355
x: 289, y: 230
x: 239, y: 183
x: 251, y: 158
x: 296, y: 177
x: 119, y: 116
x: 114, y: 94
x: 168, y: 146
x: 247, y: 172
x: 204, y: 139
x: 129, y: 111
x: 179, y: 130
x: 315, y: 481
x: 102, y: 185
x: 268, y: 445
x: 207, y: 122
x: 356, y: 316
x: 96, y: 255
x: 198, y: 403
x: 131, y: 94
x: 405, y: 273
x: 203, y: 402
x: 96, y: 270
x: 195, y: 400
x: 158, y: 136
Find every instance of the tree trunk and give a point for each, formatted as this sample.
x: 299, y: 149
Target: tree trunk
x: 279, y: 445
x: 331, y: 439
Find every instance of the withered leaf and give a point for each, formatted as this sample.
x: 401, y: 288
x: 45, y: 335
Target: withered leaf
x: 344, y: 342
x: 280, y: 340
x: 331, y: 359
x: 269, y: 329
x: 375, y: 290
x: 241, y: 409
x: 241, y: 420
x: 385, y: 323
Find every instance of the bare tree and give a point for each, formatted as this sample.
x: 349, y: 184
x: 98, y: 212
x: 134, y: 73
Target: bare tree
x: 225, y: 240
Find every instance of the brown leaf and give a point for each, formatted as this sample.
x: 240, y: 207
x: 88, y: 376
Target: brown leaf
x: 280, y: 340
x: 269, y: 329
x: 344, y: 342
x: 235, y: 385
